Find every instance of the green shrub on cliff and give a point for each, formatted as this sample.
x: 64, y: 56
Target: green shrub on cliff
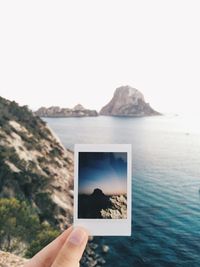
x: 25, y: 183
x: 42, y: 239
x: 19, y: 223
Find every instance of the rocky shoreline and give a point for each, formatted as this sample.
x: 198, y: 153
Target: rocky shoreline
x: 93, y: 254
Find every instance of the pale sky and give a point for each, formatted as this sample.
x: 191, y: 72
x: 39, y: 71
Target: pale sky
x: 68, y: 52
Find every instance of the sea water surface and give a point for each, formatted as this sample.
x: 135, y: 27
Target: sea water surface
x: 166, y: 183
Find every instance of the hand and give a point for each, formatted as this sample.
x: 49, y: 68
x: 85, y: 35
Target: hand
x: 65, y: 251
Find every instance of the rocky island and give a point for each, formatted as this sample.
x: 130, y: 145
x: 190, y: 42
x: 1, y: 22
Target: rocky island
x: 36, y: 186
x: 128, y: 102
x: 57, y: 112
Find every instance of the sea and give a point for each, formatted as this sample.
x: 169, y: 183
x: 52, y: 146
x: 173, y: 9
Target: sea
x: 165, y: 185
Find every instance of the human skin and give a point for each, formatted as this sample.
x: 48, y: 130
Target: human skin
x: 65, y: 251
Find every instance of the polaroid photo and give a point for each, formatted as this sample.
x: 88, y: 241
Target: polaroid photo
x: 102, y: 189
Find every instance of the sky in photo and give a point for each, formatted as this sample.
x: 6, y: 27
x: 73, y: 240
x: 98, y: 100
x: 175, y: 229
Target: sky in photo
x: 63, y: 53
x: 103, y: 170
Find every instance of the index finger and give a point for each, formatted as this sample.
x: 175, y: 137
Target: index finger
x: 72, y: 250
x: 47, y: 255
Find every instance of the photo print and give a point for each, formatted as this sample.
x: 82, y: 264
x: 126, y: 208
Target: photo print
x: 103, y: 188
x: 102, y: 185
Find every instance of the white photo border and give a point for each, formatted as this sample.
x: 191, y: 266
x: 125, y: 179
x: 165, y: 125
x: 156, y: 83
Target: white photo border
x: 104, y: 227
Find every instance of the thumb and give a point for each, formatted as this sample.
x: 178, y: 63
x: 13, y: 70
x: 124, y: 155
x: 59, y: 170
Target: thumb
x: 72, y: 250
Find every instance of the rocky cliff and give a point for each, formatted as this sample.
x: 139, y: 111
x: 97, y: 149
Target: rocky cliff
x: 77, y: 111
x: 33, y: 163
x: 128, y: 101
x: 36, y: 171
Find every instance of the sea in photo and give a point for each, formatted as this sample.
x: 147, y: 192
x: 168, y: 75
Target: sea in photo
x: 102, y: 185
x: 165, y: 185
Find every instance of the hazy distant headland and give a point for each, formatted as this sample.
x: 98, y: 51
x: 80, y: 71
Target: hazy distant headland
x: 126, y: 102
x: 57, y: 112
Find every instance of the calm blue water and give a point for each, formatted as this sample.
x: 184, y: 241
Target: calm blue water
x: 166, y: 183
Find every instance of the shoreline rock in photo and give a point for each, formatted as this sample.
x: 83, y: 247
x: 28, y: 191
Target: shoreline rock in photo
x: 118, y: 209
x: 100, y: 206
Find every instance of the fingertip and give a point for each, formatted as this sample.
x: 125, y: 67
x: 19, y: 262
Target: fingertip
x: 78, y: 236
x: 73, y: 248
x: 81, y: 228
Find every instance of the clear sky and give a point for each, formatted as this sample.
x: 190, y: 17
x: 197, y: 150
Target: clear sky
x: 103, y: 170
x: 68, y: 52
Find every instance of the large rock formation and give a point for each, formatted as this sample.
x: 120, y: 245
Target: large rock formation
x: 35, y: 167
x: 128, y: 101
x: 56, y: 112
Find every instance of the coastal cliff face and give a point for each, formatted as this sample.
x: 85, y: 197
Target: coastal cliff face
x: 128, y: 101
x: 36, y: 172
x: 34, y: 165
x: 77, y: 111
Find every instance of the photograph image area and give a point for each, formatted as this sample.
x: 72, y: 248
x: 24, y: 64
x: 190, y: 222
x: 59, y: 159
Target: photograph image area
x: 102, y: 185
